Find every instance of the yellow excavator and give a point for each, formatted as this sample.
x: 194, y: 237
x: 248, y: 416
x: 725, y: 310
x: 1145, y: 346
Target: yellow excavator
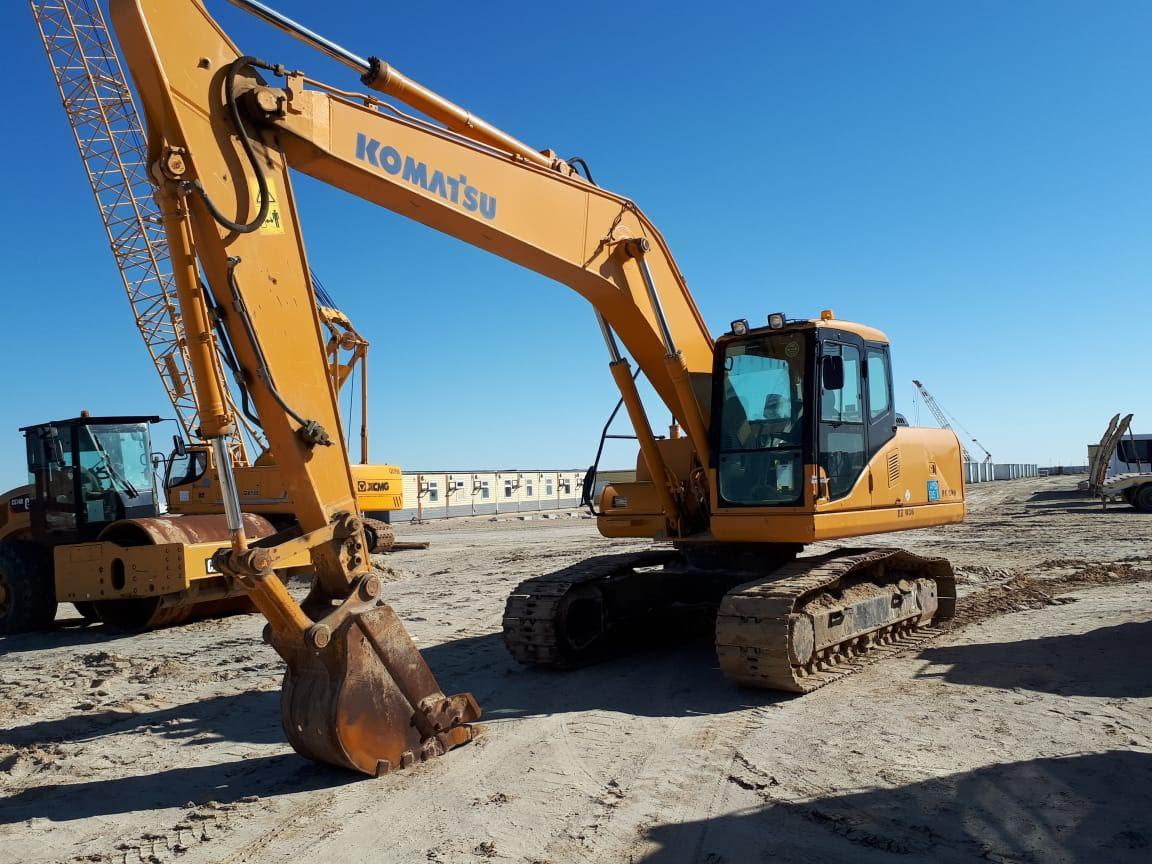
x: 788, y: 429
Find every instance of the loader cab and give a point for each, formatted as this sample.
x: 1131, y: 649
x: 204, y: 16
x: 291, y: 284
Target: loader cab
x: 87, y: 472
x: 796, y: 394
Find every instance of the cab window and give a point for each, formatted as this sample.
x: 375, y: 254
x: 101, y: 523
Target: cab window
x: 842, y: 436
x: 760, y: 457
x: 186, y: 468
x: 879, y: 399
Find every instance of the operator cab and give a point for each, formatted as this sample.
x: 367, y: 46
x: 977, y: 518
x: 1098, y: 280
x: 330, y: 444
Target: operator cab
x: 185, y: 465
x: 87, y: 472
x: 795, y: 394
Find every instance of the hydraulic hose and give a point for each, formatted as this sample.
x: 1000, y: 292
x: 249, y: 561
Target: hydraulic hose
x: 578, y: 160
x: 229, y: 356
x: 234, y: 110
x: 311, y: 431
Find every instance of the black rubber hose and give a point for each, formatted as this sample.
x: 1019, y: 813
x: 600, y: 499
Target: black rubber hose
x: 577, y: 160
x: 311, y: 432
x: 229, y: 356
x: 230, y: 98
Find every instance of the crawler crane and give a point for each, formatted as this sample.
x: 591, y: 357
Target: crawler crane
x: 789, y: 432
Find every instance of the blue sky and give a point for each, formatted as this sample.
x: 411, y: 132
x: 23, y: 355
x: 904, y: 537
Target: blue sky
x: 973, y: 178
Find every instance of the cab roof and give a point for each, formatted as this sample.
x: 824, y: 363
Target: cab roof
x: 93, y: 421
x: 869, y: 334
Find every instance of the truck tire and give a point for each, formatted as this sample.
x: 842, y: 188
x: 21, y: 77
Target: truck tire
x: 1142, y: 498
x: 27, y: 589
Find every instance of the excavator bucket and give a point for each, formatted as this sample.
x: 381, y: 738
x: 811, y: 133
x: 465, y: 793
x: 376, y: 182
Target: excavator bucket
x: 359, y: 695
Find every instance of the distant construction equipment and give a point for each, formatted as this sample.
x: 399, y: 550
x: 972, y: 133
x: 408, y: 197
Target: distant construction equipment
x: 1112, y: 474
x: 945, y: 423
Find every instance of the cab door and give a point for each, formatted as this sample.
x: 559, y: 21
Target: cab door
x: 51, y: 465
x: 883, y: 454
x: 843, y: 433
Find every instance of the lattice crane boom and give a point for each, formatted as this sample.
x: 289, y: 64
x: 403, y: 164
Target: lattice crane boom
x: 110, y: 136
x: 944, y: 422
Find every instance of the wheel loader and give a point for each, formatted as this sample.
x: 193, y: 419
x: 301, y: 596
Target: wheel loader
x: 784, y: 430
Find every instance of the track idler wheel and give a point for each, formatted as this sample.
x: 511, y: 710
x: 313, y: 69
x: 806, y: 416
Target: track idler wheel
x: 379, y: 536
x: 358, y: 694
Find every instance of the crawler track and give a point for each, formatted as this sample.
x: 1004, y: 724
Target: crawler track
x: 381, y: 538
x: 535, y: 613
x: 756, y: 623
x: 796, y: 628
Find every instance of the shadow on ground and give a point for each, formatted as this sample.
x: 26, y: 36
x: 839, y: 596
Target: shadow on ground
x: 666, y: 679
x: 1082, y: 506
x: 68, y: 633
x: 251, y: 717
x: 1083, y: 808
x: 1107, y: 662
x: 1060, y: 495
x: 224, y: 783
x: 1073, y: 501
x: 671, y: 680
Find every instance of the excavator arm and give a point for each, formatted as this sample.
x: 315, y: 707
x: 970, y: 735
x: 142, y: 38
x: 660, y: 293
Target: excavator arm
x: 357, y: 692
x: 543, y: 217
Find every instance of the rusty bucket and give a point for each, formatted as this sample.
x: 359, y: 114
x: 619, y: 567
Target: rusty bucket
x: 358, y: 694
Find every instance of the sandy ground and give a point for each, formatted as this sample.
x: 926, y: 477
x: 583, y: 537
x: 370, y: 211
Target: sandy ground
x: 1023, y: 735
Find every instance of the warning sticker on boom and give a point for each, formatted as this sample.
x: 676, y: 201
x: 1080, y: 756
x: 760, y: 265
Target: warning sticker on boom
x: 274, y: 222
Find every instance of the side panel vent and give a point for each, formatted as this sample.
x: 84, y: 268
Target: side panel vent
x: 893, y: 467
